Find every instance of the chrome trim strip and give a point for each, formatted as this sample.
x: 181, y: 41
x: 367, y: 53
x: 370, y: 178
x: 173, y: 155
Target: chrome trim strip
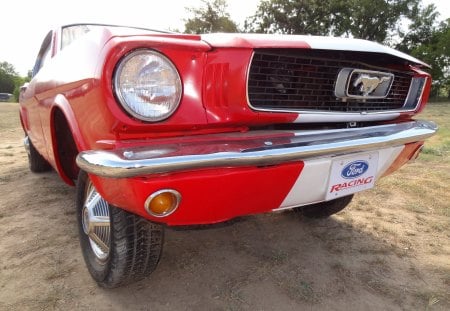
x: 249, y: 65
x: 342, y: 82
x: 319, y: 112
x: 255, y: 148
x: 346, y: 75
x: 368, y: 115
x: 121, y: 98
x: 344, y: 117
x: 339, y: 114
x: 153, y: 195
x: 26, y: 144
x: 421, y: 92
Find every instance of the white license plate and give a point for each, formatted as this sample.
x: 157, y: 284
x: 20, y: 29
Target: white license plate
x: 352, y: 174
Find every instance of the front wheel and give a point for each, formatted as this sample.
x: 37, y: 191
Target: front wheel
x: 324, y: 209
x: 118, y: 247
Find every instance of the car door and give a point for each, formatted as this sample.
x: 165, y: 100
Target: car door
x: 30, y: 98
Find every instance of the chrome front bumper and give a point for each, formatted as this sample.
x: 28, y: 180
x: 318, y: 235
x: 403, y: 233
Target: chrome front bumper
x: 254, y: 148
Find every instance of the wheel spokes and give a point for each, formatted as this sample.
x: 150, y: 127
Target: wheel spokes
x: 96, y: 223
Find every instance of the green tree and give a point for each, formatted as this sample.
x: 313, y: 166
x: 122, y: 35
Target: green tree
x: 423, y: 23
x: 19, y: 82
x: 375, y: 20
x: 10, y: 81
x: 291, y: 17
x: 364, y: 19
x: 7, y: 77
x: 429, y: 41
x: 211, y: 17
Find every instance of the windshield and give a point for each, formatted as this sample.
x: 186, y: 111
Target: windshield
x: 72, y: 32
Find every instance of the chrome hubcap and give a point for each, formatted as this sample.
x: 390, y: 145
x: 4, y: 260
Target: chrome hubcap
x: 26, y: 144
x: 96, y: 222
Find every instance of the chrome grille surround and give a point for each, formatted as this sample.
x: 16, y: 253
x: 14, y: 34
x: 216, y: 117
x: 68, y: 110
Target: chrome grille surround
x: 294, y: 80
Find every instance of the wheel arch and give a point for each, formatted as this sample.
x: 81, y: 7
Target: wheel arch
x: 66, y: 139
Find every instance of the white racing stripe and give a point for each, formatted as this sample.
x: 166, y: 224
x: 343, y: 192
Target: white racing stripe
x: 311, y: 185
x: 358, y: 45
x: 317, y: 117
x: 294, y: 41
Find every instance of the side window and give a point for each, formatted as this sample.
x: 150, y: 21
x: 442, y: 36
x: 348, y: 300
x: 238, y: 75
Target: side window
x: 45, y: 53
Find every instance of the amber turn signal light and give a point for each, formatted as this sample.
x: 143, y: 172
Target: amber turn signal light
x: 163, y: 202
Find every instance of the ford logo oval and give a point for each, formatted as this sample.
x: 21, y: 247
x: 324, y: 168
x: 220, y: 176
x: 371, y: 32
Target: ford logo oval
x: 355, y: 169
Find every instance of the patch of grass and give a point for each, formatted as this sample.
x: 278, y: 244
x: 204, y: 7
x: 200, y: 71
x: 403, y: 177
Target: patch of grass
x: 50, y: 200
x: 58, y: 272
x: 379, y: 261
x: 10, y: 116
x: 295, y: 284
x: 446, y: 279
x: 375, y: 249
x: 278, y: 257
x: 306, y: 290
x: 434, y: 151
x: 5, y: 179
x: 437, y: 148
x: 300, y: 290
x: 362, y: 201
x: 387, y: 230
x: 414, y: 272
x: 341, y: 270
x: 376, y: 285
x: 432, y: 301
x: 231, y: 291
x: 431, y: 298
x: 382, y: 192
x: 415, y: 207
x: 70, y: 212
x: 438, y: 227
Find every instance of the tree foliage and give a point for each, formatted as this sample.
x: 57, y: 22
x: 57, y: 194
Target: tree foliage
x: 8, y: 77
x: 211, y: 17
x: 10, y: 81
x: 291, y: 17
x: 376, y: 20
x: 429, y: 41
x: 364, y: 19
x: 420, y: 30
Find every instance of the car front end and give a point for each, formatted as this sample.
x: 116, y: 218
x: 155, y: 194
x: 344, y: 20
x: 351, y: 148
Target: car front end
x: 201, y: 129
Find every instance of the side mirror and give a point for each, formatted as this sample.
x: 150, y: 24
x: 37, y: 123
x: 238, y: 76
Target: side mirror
x: 22, y: 90
x: 24, y: 87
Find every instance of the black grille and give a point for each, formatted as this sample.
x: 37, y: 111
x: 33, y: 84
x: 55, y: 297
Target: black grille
x: 305, y: 80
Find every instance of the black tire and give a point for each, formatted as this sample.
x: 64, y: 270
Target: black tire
x: 135, y: 244
x: 36, y: 162
x: 324, y: 209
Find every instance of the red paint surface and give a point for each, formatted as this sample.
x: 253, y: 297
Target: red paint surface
x: 214, y: 100
x: 208, y: 196
x: 407, y: 154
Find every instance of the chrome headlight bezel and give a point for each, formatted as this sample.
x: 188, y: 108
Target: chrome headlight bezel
x: 133, y: 107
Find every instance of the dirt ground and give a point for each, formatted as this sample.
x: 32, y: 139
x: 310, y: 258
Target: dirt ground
x: 389, y: 250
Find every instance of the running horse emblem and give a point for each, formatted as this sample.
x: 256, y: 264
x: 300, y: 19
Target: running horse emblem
x: 368, y: 84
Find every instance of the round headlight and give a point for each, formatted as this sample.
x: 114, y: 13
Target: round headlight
x: 148, y: 85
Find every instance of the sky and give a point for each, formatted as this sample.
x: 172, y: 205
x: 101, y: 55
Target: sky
x: 24, y: 24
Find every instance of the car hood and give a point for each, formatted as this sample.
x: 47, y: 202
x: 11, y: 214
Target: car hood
x: 235, y: 40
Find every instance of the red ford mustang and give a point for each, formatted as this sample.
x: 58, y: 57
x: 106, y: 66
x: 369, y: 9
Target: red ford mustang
x: 160, y: 128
